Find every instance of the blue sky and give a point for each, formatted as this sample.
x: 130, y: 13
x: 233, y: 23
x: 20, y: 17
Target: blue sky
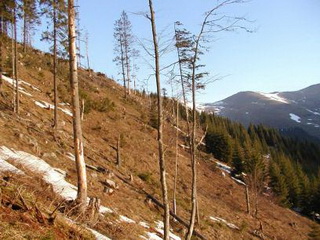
x: 282, y: 55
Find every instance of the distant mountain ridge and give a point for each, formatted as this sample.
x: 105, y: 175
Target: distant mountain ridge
x: 287, y: 111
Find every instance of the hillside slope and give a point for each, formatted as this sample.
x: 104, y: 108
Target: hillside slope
x: 108, y: 116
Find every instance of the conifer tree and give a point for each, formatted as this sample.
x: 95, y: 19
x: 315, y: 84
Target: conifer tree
x: 124, y: 49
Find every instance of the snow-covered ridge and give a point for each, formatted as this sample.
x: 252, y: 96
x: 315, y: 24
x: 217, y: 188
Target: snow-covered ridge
x: 274, y: 97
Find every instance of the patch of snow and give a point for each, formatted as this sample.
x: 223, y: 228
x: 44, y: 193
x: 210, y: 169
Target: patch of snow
x: 230, y: 225
x: 7, y: 167
x: 13, y: 82
x: 223, y: 167
x: 217, y: 109
x: 274, y: 97
x: 64, y: 104
x: 159, y: 229
x: 144, y: 224
x: 47, y: 105
x: 126, y: 219
x: 238, y: 181
x: 30, y: 85
x: 53, y: 176
x: 315, y: 113
x: 37, y: 165
x: 104, y: 210
x: 295, y: 118
x: 98, y: 235
x: 71, y: 156
x: 151, y: 236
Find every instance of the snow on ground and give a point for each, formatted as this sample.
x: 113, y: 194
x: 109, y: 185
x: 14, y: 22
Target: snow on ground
x: 53, y: 176
x: 159, y: 228
x: 98, y: 235
x: 239, y: 181
x: 41, y: 104
x: 46, y: 105
x: 315, y: 113
x: 274, y: 97
x: 159, y: 232
x: 126, y: 219
x: 217, y: 109
x: 223, y: 167
x: 36, y: 165
x: 144, y: 224
x: 230, y: 225
x: 71, y: 156
x: 7, y: 167
x: 151, y: 236
x: 295, y: 118
x: 12, y: 83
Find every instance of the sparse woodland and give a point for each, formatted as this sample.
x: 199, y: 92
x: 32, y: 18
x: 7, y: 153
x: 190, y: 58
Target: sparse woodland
x: 171, y: 160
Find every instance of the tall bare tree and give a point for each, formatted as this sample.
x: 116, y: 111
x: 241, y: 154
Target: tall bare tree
x: 56, y: 12
x: 77, y: 131
x: 30, y: 19
x: 166, y: 218
x: 15, y: 56
x: 213, y: 22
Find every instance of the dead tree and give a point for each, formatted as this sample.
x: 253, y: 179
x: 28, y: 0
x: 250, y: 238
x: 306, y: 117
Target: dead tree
x: 77, y: 131
x: 56, y: 13
x: 209, y: 25
x: 166, y: 218
x: 119, y: 151
x: 15, y: 62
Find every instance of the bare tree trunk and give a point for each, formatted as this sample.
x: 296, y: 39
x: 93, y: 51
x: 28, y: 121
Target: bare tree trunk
x: 82, y: 109
x: 1, y: 40
x: 55, y: 83
x: 118, y: 152
x: 123, y: 69
x: 77, y: 132
x: 24, y: 29
x: 87, y: 53
x: 166, y: 218
x: 183, y: 87
x: 16, y: 58
x: 127, y: 67
x: 176, y: 160
x: 247, y: 198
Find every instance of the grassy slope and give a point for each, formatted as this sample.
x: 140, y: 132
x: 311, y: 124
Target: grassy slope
x: 218, y: 196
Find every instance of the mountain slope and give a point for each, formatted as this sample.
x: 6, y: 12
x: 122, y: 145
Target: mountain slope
x: 283, y: 110
x: 221, y: 199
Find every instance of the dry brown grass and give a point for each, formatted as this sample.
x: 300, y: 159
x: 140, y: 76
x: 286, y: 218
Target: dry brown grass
x: 218, y: 196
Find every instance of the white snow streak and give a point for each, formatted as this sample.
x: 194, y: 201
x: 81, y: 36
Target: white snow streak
x: 98, y: 235
x: 295, y: 118
x: 315, y: 113
x: 274, y: 97
x: 46, y: 105
x: 230, y: 225
x: 126, y: 219
x: 53, y: 176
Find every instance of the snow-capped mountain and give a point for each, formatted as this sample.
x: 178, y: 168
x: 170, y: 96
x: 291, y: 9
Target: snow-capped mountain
x: 298, y: 111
